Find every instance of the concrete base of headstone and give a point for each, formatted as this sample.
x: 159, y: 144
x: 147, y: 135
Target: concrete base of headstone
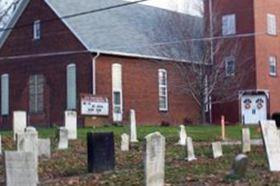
x: 44, y: 148
x: 239, y: 167
x: 20, y: 168
x: 217, y: 149
x: 63, y: 138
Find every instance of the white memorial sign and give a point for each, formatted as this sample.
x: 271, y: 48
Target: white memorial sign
x: 272, y: 144
x: 96, y: 106
x: 19, y: 122
x: 71, y: 124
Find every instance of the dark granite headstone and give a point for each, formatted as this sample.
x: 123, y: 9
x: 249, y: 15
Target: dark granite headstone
x: 101, y: 152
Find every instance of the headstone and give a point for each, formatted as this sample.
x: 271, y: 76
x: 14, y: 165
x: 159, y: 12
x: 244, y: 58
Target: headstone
x: 272, y: 144
x: 28, y: 142
x: 190, y: 150
x: 71, y: 124
x: 44, y: 147
x: 101, y: 152
x: 133, y: 130
x: 239, y: 166
x: 19, y: 122
x: 246, y: 141
x: 125, y: 142
x: 182, y: 135
x: 63, y: 138
x: 20, y: 168
x: 217, y: 149
x: 154, y: 159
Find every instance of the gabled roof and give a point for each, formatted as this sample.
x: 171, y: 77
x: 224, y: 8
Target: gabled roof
x: 136, y: 30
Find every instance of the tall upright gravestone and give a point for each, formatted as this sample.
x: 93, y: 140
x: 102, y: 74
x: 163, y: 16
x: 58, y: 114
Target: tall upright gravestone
x: 63, y: 138
x: 190, y: 150
x: 271, y: 141
x: 246, y: 141
x: 182, y: 135
x: 70, y: 118
x: 154, y: 159
x: 19, y: 122
x: 101, y: 152
x: 133, y: 129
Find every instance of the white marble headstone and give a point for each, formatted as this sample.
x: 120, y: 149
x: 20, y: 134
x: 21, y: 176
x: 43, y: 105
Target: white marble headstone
x: 246, y: 141
x: 19, y: 122
x: 20, y: 168
x: 63, y: 138
x: 71, y: 124
x: 191, y: 155
x: 44, y: 147
x: 133, y: 129
x: 154, y: 159
x: 272, y: 144
x: 217, y: 149
x: 125, y: 142
x: 182, y: 135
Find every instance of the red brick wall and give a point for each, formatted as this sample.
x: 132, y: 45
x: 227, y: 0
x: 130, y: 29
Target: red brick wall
x: 267, y: 45
x: 140, y: 90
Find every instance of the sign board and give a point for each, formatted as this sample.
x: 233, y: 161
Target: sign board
x: 94, y: 105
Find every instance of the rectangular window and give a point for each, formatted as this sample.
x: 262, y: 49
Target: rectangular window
x: 271, y: 24
x: 229, y: 24
x: 71, y: 87
x: 117, y: 101
x: 5, y: 94
x: 272, y: 66
x: 36, y: 93
x: 36, y: 30
x: 163, y: 92
x: 230, y: 66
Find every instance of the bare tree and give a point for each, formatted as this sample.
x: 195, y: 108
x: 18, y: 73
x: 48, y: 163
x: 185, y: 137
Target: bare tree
x: 215, y: 66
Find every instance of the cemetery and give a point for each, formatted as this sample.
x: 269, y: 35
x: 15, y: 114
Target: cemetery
x: 155, y: 155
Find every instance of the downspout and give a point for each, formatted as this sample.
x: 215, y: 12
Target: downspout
x: 94, y: 73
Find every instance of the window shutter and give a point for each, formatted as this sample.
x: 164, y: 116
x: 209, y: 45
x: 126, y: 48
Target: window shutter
x: 71, y: 86
x: 5, y: 94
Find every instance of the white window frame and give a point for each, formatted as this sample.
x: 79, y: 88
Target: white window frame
x: 117, y: 88
x: 5, y: 94
x: 271, y: 24
x: 163, y: 86
x: 272, y: 60
x: 37, y: 30
x: 71, y: 89
x: 229, y: 24
x: 227, y: 60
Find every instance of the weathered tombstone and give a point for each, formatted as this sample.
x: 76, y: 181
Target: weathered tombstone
x: 19, y: 122
x: 217, y: 149
x: 63, y: 138
x: 190, y: 150
x: 182, y: 135
x: 133, y: 130
x: 125, y: 142
x: 28, y: 142
x: 239, y: 166
x: 71, y: 124
x: 154, y: 159
x: 246, y: 141
x: 272, y: 144
x: 44, y: 147
x: 20, y: 168
x: 101, y: 152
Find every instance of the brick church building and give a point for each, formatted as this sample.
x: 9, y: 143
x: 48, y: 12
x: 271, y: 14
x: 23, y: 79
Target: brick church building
x: 54, y: 52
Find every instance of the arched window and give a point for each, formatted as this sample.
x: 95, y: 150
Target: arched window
x: 117, y: 92
x: 71, y: 87
x: 5, y: 94
x: 163, y: 91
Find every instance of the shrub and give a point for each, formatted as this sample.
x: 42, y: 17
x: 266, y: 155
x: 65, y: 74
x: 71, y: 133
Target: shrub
x: 165, y: 124
x: 276, y: 117
x: 187, y: 121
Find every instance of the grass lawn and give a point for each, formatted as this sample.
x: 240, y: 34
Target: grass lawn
x: 69, y: 167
